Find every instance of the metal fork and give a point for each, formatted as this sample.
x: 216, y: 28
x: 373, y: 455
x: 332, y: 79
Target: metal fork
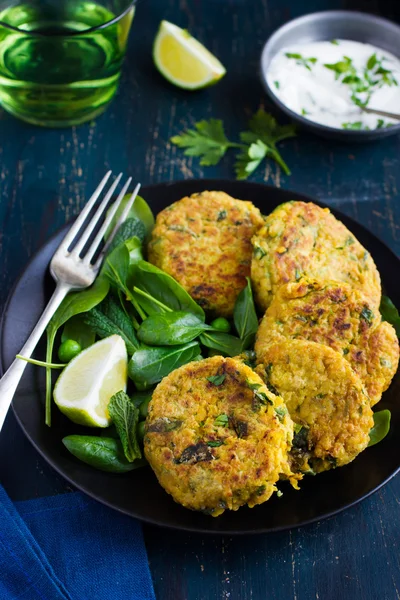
x: 71, y: 271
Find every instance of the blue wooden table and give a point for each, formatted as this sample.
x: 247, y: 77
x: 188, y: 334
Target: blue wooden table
x: 45, y: 177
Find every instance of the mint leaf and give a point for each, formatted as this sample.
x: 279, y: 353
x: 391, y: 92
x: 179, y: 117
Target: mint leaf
x: 125, y: 417
x: 109, y: 319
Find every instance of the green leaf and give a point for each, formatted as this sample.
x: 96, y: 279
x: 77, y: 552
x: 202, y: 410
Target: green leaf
x: 76, y: 329
x: 381, y: 427
x: 214, y: 443
x: 149, y: 365
x: 103, y: 453
x: 356, y: 125
x: 118, y: 269
x: 249, y: 159
x: 74, y: 304
x: 109, y: 319
x: 134, y: 247
x: 140, y: 210
x: 265, y: 132
x: 207, y: 140
x: 245, y: 316
x: 125, y: 417
x: 222, y: 421
x: 164, y: 289
x: 170, y: 329
x: 216, y: 379
x: 131, y: 228
x: 268, y: 130
x: 390, y: 313
x: 372, y: 61
x: 227, y: 344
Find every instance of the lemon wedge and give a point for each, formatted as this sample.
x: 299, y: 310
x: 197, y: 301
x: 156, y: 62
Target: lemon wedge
x: 182, y: 60
x: 84, y: 388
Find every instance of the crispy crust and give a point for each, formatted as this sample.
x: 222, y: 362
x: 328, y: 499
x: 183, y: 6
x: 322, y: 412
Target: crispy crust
x: 210, y: 464
x: 204, y: 242
x: 301, y: 239
x: 324, y: 396
x: 338, y: 316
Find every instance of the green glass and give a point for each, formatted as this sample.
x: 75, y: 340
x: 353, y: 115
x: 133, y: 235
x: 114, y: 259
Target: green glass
x: 60, y: 60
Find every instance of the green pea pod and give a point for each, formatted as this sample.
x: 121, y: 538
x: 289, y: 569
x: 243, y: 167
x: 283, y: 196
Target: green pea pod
x: 381, y: 427
x: 103, y: 453
x: 171, y: 328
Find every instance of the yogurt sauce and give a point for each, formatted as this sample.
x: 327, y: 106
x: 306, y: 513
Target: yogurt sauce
x: 358, y: 75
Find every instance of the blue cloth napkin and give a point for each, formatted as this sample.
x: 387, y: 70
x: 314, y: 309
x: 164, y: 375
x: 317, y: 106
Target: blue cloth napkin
x: 69, y: 547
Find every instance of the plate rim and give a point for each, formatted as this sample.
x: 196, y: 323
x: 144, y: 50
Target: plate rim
x: 148, y: 520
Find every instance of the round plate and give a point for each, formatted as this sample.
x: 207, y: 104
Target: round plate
x: 138, y: 494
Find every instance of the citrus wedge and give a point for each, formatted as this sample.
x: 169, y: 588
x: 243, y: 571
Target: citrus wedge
x: 84, y: 388
x: 182, y: 60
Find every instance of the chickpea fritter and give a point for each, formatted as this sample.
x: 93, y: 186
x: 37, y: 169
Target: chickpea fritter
x: 204, y: 242
x: 338, y: 316
x: 216, y: 437
x: 301, y: 239
x: 325, y: 399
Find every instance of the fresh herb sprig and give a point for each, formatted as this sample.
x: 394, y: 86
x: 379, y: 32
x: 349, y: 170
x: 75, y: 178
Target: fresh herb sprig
x: 362, y: 83
x: 209, y: 142
x: 302, y: 60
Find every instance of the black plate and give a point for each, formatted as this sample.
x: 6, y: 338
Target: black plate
x: 138, y: 493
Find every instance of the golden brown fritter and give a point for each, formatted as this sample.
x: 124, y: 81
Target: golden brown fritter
x: 338, y: 316
x: 301, y: 239
x: 325, y: 398
x: 204, y: 242
x: 221, y: 443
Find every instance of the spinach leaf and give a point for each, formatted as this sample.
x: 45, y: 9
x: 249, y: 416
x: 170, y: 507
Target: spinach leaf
x: 109, y: 319
x: 216, y: 379
x: 170, y: 329
x: 390, y: 313
x: 131, y: 228
x: 381, y: 427
x: 227, y: 344
x: 140, y: 210
x: 125, y: 417
x: 149, y: 365
x: 76, y: 329
x: 117, y: 270
x: 74, y: 304
x: 164, y: 289
x: 135, y: 250
x: 103, y: 453
x: 245, y: 317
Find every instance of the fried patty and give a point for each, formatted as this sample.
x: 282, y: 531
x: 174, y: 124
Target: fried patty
x: 204, y: 242
x: 216, y: 437
x: 338, y: 316
x: 301, y: 239
x: 325, y: 399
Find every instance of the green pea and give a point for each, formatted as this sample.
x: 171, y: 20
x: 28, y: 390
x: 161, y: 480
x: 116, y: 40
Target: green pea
x: 221, y: 324
x: 140, y: 430
x: 68, y: 350
x: 144, y: 407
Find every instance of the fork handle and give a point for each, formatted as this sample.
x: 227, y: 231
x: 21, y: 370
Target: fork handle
x: 10, y: 380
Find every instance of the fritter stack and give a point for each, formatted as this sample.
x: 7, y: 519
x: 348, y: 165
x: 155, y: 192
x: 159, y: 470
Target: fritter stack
x: 321, y: 343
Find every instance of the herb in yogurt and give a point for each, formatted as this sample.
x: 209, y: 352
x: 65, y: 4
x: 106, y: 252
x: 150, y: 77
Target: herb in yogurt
x: 301, y: 60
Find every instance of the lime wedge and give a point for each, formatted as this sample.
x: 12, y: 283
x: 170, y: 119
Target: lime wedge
x: 84, y: 388
x: 182, y: 60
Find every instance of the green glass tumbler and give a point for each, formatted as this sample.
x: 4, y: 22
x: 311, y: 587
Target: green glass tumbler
x: 60, y: 60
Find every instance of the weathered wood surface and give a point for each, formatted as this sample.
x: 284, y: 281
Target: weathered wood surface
x: 45, y: 177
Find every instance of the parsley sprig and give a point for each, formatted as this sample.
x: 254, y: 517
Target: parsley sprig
x: 301, y: 60
x: 208, y: 141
